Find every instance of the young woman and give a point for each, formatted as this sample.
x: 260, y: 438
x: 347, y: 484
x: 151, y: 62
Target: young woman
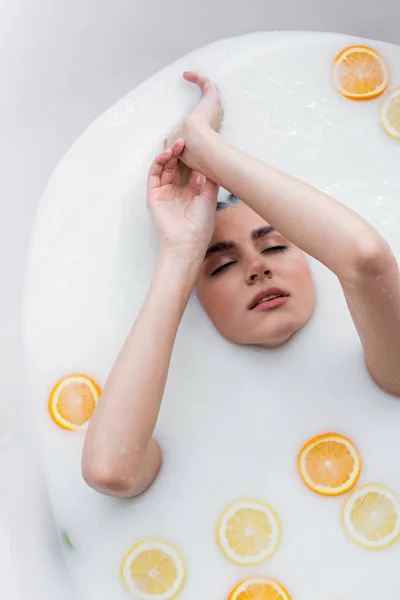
x: 252, y: 279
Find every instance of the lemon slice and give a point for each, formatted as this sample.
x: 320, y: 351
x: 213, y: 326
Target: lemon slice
x: 153, y: 569
x: 390, y: 114
x: 329, y: 464
x: 360, y: 73
x: 73, y: 400
x: 259, y: 588
x: 371, y: 516
x: 248, y: 532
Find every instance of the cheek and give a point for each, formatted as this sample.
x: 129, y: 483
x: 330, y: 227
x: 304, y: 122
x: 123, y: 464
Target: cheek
x: 217, y: 297
x: 297, y: 271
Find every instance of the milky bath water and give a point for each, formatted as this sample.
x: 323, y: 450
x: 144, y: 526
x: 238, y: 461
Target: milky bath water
x: 233, y: 419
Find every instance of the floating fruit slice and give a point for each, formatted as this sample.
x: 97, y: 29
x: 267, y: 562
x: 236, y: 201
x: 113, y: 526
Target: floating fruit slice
x: 329, y: 464
x: 360, y: 73
x: 153, y: 569
x: 248, y: 532
x: 73, y: 400
x: 390, y: 114
x: 371, y: 516
x: 259, y: 588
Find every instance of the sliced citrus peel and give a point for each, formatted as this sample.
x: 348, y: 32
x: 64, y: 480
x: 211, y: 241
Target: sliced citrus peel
x: 390, y: 114
x: 360, y: 73
x: 248, y: 532
x: 259, y: 588
x: 153, y: 569
x: 73, y: 400
x: 371, y: 517
x: 329, y: 464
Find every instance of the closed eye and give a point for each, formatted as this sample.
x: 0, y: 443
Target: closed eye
x: 218, y: 270
x: 222, y: 267
x: 275, y: 249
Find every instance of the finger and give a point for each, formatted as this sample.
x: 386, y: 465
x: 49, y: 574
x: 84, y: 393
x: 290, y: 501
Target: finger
x: 196, y: 181
x: 203, y: 82
x: 211, y: 190
x: 165, y: 145
x: 171, y: 170
x: 156, y: 169
x: 177, y: 149
x: 176, y: 174
x: 185, y: 173
x: 174, y: 135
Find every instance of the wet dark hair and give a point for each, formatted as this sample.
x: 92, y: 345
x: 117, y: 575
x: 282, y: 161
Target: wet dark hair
x: 228, y: 202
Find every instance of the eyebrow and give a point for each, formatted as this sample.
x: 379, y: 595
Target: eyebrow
x: 256, y: 234
x: 219, y: 247
x: 262, y: 231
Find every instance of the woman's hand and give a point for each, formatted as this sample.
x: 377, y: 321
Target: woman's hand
x: 206, y: 116
x: 183, y: 215
x: 209, y: 111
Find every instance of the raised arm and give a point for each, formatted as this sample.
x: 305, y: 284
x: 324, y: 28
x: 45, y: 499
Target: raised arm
x: 318, y: 224
x: 120, y: 456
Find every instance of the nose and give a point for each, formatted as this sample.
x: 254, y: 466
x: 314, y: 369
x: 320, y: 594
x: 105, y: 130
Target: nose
x: 257, y: 271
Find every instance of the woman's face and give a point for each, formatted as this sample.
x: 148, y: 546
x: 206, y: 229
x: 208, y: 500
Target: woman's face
x: 255, y: 285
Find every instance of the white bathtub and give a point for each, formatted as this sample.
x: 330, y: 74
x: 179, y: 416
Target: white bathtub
x: 61, y: 64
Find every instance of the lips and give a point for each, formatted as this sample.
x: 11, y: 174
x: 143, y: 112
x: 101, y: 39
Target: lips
x: 267, y: 295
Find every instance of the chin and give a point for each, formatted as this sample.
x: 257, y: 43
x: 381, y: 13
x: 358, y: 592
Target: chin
x: 268, y: 339
x: 284, y: 335
x: 278, y: 341
x: 262, y: 341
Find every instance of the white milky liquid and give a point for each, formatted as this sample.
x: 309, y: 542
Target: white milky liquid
x: 233, y: 418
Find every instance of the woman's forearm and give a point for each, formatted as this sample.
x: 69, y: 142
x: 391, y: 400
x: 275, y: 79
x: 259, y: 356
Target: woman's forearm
x: 120, y: 457
x: 309, y: 218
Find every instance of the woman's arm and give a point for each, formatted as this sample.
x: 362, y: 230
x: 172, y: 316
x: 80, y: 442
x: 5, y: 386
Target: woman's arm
x: 333, y: 234
x: 120, y: 457
x: 319, y: 225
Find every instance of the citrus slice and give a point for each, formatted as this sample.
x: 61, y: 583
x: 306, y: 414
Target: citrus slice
x: 73, y: 400
x: 390, y: 114
x: 360, y: 73
x: 371, y: 516
x: 153, y: 569
x: 329, y: 464
x: 248, y: 532
x: 259, y: 588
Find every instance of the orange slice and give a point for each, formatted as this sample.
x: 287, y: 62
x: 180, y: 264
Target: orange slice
x: 329, y: 464
x: 390, y: 114
x: 153, y: 569
x: 360, y: 73
x: 259, y: 588
x: 248, y: 532
x: 371, y: 517
x: 73, y: 400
